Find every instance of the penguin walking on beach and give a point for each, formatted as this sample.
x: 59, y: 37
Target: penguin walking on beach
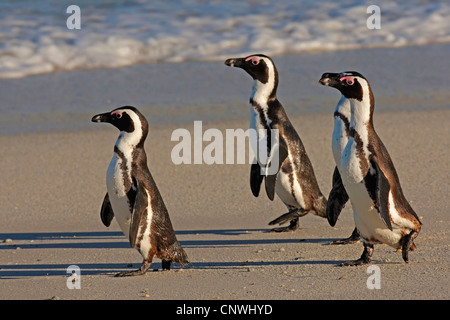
x: 338, y: 197
x: 294, y: 180
x: 133, y: 197
x: 381, y: 212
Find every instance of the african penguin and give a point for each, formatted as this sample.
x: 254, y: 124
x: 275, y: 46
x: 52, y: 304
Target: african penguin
x: 294, y: 181
x: 338, y: 197
x: 381, y: 212
x: 133, y: 197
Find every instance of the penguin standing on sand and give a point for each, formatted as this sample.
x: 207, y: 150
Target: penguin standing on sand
x: 338, y: 197
x: 133, y: 197
x: 294, y: 180
x: 381, y: 212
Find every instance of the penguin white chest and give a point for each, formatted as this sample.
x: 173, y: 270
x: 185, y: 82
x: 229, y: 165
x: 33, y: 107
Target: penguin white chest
x: 340, y: 135
x: 258, y: 128
x: 259, y: 139
x: 118, y: 177
x: 370, y: 226
x: 289, y: 190
x: 116, y: 181
x: 365, y: 214
x: 350, y: 164
x: 367, y: 219
x: 339, y: 139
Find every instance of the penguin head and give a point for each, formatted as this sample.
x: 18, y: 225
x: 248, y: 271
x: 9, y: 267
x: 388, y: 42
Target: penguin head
x: 127, y: 119
x: 351, y: 84
x: 261, y: 68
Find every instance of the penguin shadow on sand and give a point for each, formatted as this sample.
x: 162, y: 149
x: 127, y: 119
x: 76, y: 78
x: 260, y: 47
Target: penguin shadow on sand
x: 239, y: 243
x: 59, y: 241
x: 115, y: 240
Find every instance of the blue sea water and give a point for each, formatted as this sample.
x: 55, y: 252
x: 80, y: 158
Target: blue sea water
x: 34, y: 37
x: 55, y: 78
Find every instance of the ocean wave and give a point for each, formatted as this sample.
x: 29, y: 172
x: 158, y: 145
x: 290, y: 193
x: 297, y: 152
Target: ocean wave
x: 34, y: 38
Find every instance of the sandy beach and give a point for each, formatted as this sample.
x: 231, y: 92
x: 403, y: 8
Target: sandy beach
x: 53, y: 184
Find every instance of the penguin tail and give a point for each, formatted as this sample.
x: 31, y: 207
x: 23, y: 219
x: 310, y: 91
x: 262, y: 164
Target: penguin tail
x: 177, y: 254
x: 320, y: 206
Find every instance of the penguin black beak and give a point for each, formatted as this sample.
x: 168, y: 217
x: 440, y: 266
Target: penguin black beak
x: 235, y: 62
x: 329, y: 79
x: 102, y: 117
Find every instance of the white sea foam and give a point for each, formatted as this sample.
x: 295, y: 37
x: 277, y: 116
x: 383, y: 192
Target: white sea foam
x: 34, y: 37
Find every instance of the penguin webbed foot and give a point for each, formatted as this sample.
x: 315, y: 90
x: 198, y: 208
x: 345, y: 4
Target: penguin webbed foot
x: 354, y: 237
x: 137, y: 272
x: 166, y: 264
x: 293, y: 216
x: 141, y: 271
x: 352, y: 263
x: 293, y: 225
x: 408, y: 245
x: 365, y: 258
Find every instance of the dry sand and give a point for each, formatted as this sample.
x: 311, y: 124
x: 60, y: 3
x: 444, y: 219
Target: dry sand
x: 53, y: 185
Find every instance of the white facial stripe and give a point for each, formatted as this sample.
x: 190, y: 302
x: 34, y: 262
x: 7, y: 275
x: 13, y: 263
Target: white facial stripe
x: 127, y: 141
x: 360, y: 117
x: 361, y: 109
x: 130, y: 139
x: 261, y: 91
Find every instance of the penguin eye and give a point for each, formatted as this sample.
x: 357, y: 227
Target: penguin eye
x: 254, y: 60
x: 348, y: 80
x: 117, y: 114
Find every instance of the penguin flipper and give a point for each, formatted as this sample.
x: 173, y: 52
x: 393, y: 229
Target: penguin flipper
x: 138, y: 213
x: 337, y: 198
x: 382, y: 193
x: 106, y: 212
x: 271, y: 179
x: 255, y: 178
